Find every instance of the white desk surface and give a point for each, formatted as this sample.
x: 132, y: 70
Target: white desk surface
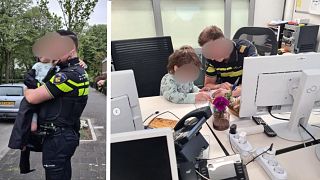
x: 299, y: 164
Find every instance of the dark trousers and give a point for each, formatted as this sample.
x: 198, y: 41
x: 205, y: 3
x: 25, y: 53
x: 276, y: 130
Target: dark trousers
x: 57, y: 150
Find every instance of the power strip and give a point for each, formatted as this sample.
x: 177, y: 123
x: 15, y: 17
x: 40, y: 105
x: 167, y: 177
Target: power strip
x: 240, y: 144
x: 269, y: 163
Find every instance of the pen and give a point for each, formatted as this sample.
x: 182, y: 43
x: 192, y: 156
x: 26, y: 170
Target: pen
x: 235, y: 84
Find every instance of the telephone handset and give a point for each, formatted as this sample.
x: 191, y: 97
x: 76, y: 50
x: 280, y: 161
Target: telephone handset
x: 190, y: 124
x: 198, y: 114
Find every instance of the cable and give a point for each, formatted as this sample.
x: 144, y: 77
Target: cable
x: 315, y: 126
x: 219, y: 142
x: 202, y: 175
x: 269, y: 111
x: 308, y: 132
x: 296, y: 147
x: 257, y: 156
x: 270, y: 148
x: 157, y: 112
x: 304, y: 143
x: 160, y: 115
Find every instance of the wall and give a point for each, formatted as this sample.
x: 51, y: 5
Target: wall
x: 267, y: 10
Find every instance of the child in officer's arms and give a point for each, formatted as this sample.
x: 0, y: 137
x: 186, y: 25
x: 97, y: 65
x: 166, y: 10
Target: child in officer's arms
x: 41, y: 68
x: 177, y: 85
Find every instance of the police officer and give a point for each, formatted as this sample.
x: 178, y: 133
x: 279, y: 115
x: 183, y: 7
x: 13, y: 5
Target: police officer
x: 63, y: 99
x: 224, y: 59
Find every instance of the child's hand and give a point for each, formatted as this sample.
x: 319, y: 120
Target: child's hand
x: 205, y: 89
x: 200, y: 97
x: 82, y: 63
x: 101, y: 83
x: 220, y: 92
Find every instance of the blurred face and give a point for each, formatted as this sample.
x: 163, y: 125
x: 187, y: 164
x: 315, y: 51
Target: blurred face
x: 218, y: 50
x: 44, y: 60
x: 54, y: 47
x: 186, y: 73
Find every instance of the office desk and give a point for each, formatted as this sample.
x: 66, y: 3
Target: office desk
x: 151, y: 104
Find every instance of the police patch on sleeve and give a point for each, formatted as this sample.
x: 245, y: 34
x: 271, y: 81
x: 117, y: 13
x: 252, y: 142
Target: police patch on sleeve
x: 59, y: 78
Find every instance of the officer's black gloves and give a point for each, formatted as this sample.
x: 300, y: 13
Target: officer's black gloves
x: 30, y: 81
x: 50, y: 73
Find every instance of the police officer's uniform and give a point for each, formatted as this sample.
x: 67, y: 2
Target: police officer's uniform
x: 231, y: 69
x: 60, y: 118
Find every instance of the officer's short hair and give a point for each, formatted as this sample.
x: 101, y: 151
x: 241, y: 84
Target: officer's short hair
x: 70, y: 34
x: 210, y: 33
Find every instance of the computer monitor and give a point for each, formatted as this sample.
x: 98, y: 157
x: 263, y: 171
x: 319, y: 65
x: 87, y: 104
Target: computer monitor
x: 125, y: 109
x: 286, y: 83
x: 146, y: 154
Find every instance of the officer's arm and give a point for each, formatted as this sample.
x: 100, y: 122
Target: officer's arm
x: 55, y: 87
x: 38, y: 95
x: 210, y: 78
x: 210, y: 82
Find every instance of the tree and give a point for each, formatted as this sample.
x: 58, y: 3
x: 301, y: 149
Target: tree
x: 75, y: 12
x: 10, y: 32
x: 20, y: 26
x: 37, y: 22
x: 93, y: 44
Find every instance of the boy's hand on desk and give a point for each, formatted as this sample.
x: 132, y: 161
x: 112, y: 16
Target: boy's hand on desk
x: 200, y: 97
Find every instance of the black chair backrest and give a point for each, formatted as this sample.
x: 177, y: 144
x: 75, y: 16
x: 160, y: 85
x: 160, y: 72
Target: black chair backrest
x: 147, y: 57
x: 200, y: 81
x: 263, y: 38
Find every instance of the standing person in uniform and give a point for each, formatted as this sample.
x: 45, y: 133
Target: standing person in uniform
x: 62, y: 100
x: 224, y: 59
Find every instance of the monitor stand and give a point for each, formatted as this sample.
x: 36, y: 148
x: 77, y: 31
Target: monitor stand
x: 318, y: 151
x: 297, y: 134
x: 304, y: 97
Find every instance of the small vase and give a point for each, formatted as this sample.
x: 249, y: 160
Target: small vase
x: 221, y: 120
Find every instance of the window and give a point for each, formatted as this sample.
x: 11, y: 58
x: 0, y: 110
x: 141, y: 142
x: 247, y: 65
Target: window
x: 183, y: 20
x: 11, y: 91
x: 239, y: 15
x: 132, y: 19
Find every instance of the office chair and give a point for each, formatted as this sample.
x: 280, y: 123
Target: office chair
x: 263, y: 38
x: 200, y: 81
x: 147, y: 57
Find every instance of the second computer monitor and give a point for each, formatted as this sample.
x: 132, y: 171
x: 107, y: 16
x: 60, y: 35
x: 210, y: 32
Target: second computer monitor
x: 285, y: 83
x: 125, y: 108
x: 146, y: 154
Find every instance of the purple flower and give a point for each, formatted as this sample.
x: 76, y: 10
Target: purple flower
x: 220, y: 103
